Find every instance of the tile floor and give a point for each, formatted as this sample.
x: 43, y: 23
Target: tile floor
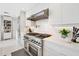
x: 20, y: 52
x: 8, y: 46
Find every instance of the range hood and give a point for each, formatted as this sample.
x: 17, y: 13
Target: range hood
x: 40, y: 15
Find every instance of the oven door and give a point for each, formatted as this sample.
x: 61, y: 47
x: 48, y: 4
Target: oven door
x: 34, y: 50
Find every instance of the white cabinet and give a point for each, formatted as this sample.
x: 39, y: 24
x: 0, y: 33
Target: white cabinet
x: 55, y: 13
x: 70, y: 13
x: 51, y: 49
x: 47, y: 52
x: 60, y: 48
x: 66, y: 13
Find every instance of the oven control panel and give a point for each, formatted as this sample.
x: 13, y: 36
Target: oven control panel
x: 33, y: 40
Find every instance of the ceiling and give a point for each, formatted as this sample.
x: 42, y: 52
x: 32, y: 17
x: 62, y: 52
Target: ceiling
x: 14, y: 8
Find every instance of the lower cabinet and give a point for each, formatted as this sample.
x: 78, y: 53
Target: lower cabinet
x: 47, y: 52
x: 51, y: 52
x: 50, y: 49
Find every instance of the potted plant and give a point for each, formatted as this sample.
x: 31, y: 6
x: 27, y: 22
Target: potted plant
x: 64, y: 32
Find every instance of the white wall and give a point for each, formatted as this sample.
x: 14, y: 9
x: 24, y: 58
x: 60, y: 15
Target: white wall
x: 22, y: 26
x: 55, y: 16
x: 60, y: 16
x: 0, y: 27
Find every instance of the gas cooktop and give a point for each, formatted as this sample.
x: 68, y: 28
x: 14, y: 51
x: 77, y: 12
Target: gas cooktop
x: 39, y: 35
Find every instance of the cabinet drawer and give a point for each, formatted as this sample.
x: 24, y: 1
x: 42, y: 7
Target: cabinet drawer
x: 51, y: 52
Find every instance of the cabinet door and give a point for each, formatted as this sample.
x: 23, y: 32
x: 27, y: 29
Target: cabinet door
x: 52, y: 49
x: 47, y: 52
x: 70, y: 13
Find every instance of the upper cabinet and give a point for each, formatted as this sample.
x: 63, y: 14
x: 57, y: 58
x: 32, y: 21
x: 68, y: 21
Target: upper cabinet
x: 70, y: 13
x: 40, y: 15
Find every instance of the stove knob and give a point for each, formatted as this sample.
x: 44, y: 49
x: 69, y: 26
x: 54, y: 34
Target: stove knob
x: 31, y: 40
x: 35, y: 42
x: 39, y: 43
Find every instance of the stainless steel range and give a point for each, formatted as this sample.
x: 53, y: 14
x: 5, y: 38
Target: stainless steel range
x: 33, y: 43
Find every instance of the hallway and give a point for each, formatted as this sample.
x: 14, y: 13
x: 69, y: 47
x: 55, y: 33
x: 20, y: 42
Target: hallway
x: 8, y: 46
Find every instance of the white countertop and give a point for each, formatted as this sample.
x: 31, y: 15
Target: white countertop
x: 62, y: 46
